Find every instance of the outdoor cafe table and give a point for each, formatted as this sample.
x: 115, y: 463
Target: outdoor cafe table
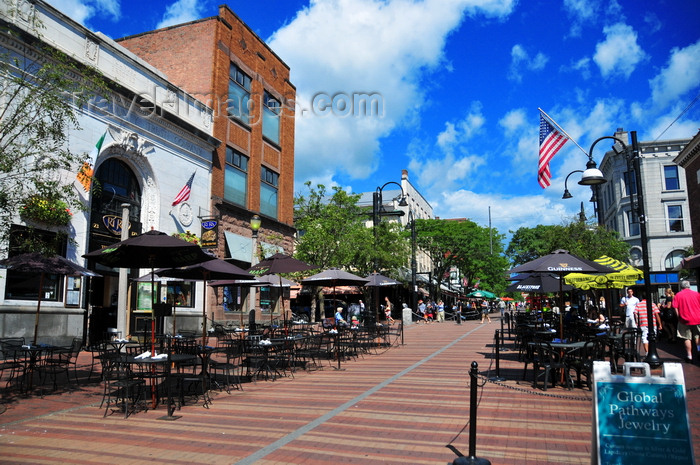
x: 31, y: 355
x: 150, y: 364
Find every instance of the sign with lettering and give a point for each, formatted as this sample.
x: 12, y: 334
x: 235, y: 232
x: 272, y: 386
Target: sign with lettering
x: 641, y: 419
x: 210, y: 233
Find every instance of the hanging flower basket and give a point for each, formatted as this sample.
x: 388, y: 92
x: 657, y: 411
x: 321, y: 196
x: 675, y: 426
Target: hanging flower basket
x: 46, y: 210
x: 187, y: 236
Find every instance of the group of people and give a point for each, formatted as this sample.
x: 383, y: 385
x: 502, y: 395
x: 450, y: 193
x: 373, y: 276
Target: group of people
x: 678, y: 316
x: 431, y: 311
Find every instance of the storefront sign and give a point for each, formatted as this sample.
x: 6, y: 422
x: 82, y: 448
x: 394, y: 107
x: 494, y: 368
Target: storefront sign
x: 210, y: 233
x: 641, y: 419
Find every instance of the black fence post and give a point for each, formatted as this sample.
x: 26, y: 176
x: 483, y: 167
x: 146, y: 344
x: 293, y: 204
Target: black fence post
x: 472, y: 459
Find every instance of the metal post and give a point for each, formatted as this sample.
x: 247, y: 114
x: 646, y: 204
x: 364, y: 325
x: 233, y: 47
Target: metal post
x: 498, y: 358
x: 652, y: 357
x: 472, y: 459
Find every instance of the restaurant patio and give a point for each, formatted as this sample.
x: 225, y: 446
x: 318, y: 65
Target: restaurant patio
x: 403, y: 406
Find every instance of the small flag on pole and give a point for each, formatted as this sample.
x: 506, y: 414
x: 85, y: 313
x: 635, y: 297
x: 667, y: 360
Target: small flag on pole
x: 184, y: 193
x: 86, y: 171
x: 551, y: 140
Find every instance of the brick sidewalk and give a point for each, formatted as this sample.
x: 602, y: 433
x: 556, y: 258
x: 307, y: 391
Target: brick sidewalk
x: 403, y: 406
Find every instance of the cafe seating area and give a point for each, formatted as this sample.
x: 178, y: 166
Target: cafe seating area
x: 557, y: 352
x: 170, y: 372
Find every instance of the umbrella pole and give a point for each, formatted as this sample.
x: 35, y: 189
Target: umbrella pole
x: 204, y: 314
x: 38, y: 307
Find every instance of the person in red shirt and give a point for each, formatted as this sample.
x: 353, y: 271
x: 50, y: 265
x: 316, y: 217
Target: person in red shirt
x: 687, y: 304
x: 641, y: 317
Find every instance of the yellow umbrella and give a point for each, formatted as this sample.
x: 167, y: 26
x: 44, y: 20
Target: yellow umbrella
x: 624, y: 275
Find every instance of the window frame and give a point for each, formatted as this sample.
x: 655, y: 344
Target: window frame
x: 675, y: 219
x: 236, y: 163
x: 239, y: 101
x: 269, y: 185
x: 272, y: 109
x: 676, y: 178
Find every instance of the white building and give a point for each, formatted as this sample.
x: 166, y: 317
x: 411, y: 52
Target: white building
x: 157, y: 136
x: 665, y: 205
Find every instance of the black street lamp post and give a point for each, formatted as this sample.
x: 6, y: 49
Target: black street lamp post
x: 377, y: 210
x: 593, y: 177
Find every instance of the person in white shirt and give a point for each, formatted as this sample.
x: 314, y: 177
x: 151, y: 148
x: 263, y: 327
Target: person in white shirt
x: 629, y: 303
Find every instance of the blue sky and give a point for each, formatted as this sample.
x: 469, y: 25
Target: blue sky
x: 460, y: 82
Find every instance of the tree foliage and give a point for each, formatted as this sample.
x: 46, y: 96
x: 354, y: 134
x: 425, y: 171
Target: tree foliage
x: 332, y: 233
x: 475, y: 251
x: 579, y: 238
x: 40, y: 96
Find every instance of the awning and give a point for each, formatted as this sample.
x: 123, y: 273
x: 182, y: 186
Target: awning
x: 241, y: 248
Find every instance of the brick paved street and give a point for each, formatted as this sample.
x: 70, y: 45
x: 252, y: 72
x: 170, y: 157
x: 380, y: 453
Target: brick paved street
x: 400, y: 407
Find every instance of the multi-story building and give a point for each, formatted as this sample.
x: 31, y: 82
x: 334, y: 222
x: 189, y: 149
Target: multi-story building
x: 227, y: 66
x: 153, y: 137
x: 665, y: 203
x: 689, y: 160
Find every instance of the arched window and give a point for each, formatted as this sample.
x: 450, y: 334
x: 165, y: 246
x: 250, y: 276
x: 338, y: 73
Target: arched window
x: 116, y: 184
x: 673, y: 259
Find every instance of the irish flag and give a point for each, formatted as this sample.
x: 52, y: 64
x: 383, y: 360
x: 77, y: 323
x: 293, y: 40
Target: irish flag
x: 86, y: 171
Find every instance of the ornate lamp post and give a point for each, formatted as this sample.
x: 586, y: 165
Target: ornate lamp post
x: 377, y: 207
x: 592, y: 176
x: 255, y: 224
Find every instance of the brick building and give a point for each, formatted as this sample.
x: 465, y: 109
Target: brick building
x: 225, y: 65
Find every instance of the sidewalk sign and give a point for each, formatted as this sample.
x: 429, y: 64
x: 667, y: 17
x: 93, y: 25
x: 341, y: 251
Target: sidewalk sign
x: 640, y: 419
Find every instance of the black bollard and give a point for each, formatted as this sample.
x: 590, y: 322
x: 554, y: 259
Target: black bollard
x: 472, y: 459
x: 498, y: 360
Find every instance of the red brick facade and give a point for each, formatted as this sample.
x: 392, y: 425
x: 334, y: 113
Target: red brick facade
x: 197, y: 56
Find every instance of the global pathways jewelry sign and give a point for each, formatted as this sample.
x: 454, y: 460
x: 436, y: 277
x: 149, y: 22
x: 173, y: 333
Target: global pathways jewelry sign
x: 641, y: 420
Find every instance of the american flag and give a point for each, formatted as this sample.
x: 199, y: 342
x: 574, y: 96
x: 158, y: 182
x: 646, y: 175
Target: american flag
x: 184, y: 193
x: 551, y: 140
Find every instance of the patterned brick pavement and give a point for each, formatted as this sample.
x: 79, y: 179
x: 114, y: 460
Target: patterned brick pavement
x: 403, y: 406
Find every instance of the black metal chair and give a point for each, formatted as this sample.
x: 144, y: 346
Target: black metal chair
x: 124, y: 390
x: 230, y: 368
x: 59, y: 360
x: 628, y: 347
x: 552, y: 363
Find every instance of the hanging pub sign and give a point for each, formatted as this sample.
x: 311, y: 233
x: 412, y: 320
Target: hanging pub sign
x: 210, y: 233
x: 640, y: 419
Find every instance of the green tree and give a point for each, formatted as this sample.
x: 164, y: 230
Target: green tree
x: 40, y: 97
x: 580, y: 238
x: 333, y: 233
x: 476, y: 251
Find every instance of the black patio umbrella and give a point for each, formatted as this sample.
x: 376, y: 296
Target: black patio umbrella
x: 538, y: 283
x: 280, y: 263
x: 561, y: 262
x: 34, y: 262
x: 150, y: 250
x: 211, y: 269
x: 334, y: 277
x: 376, y: 281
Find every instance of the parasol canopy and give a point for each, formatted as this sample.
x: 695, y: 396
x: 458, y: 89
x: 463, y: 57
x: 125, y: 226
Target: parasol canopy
x: 482, y: 294
x: 538, y: 283
x: 624, y: 275
x: 34, y: 262
x: 377, y: 280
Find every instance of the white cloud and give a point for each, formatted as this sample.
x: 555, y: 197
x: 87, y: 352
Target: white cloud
x: 182, y: 11
x: 521, y: 58
x: 681, y: 74
x: 82, y: 10
x: 327, y: 46
x: 619, y: 53
x: 514, y: 120
x: 507, y: 212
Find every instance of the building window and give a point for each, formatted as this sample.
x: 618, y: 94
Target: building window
x: 21, y: 285
x: 630, y: 183
x: 268, y: 192
x: 632, y: 224
x: 271, y: 118
x: 236, y: 177
x: 675, y: 218
x: 673, y: 259
x: 238, y: 94
x: 671, y: 179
